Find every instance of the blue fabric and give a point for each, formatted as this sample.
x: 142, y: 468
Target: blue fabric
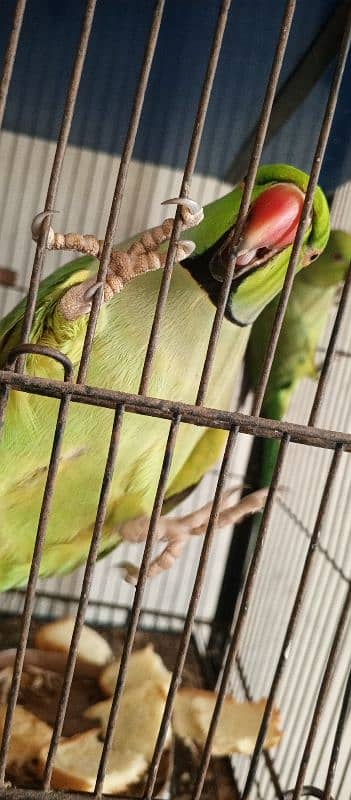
x: 50, y: 33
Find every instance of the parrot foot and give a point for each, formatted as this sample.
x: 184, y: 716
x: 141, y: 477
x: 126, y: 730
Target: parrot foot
x: 175, y: 532
x: 87, y: 244
x: 149, y: 241
x: 124, y: 266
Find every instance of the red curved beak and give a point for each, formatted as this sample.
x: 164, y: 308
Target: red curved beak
x: 272, y: 221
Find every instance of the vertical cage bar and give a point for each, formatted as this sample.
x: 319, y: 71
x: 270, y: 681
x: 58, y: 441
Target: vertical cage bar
x: 242, y: 614
x: 190, y: 617
x: 37, y: 552
x: 136, y: 608
x: 323, y: 691
x: 84, y: 594
x: 10, y: 55
x: 184, y: 191
x: 305, y: 217
x: 290, y: 631
x: 57, y: 170
x: 298, y: 84
x: 284, y: 297
x: 329, y: 357
x: 343, y: 717
x: 120, y: 184
x: 246, y: 197
x: 268, y: 759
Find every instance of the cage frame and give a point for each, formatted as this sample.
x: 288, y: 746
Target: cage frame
x: 67, y: 391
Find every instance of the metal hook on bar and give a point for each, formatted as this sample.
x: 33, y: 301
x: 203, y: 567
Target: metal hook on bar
x: 41, y: 350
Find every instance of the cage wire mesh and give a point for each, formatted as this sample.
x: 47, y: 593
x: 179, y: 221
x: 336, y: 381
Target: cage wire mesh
x: 290, y: 638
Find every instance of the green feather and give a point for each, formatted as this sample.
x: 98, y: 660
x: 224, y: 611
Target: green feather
x: 308, y: 310
x: 117, y: 359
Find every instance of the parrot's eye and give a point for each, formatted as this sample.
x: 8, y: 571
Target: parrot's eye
x: 337, y: 257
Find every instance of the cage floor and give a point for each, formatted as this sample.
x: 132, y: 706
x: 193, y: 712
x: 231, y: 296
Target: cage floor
x: 178, y: 768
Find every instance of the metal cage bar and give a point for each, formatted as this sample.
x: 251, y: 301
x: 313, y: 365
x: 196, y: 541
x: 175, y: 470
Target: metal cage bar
x: 185, y: 188
x: 56, y: 170
x: 189, y: 621
x: 325, y: 685
x: 235, y: 638
x: 331, y: 351
x: 67, y: 391
x: 38, y: 548
x: 120, y: 184
x: 136, y: 608
x: 344, y: 712
x: 293, y: 618
x: 166, y: 409
x: 10, y: 55
x: 248, y: 188
x: 304, y: 220
x: 84, y: 596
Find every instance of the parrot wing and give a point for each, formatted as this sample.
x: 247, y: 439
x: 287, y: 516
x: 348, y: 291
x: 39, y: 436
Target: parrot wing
x: 49, y: 292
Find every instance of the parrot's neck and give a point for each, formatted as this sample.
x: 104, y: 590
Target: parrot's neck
x: 199, y: 268
x: 199, y: 271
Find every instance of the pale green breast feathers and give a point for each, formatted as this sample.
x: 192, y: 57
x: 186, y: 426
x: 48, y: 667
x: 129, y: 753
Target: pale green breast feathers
x: 116, y: 362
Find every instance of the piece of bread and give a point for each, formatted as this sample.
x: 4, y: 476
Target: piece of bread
x: 139, y: 718
x: 143, y: 665
x: 185, y: 723
x: 238, y: 725
x: 28, y: 736
x: 57, y: 636
x: 77, y: 761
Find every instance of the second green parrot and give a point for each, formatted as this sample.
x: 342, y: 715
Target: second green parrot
x: 309, y: 306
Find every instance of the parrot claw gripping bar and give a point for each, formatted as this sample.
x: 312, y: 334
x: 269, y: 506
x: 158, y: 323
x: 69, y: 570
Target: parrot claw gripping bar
x: 125, y: 265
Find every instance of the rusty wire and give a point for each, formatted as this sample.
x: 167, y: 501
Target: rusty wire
x: 305, y: 216
x: 166, y: 409
x: 259, y: 396
x: 38, y: 546
x: 120, y: 184
x: 84, y: 595
x: 246, y: 196
x: 331, y: 350
x: 238, y: 629
x: 190, y: 617
x: 293, y: 620
x: 66, y: 391
x: 322, y: 694
x: 184, y: 191
x: 56, y: 170
x: 10, y: 55
x: 344, y: 713
x: 138, y: 597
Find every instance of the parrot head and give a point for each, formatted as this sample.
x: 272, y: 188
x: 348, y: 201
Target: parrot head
x: 266, y: 241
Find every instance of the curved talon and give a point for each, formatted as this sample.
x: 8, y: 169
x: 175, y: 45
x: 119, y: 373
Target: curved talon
x: 191, y: 205
x: 38, y: 221
x: 187, y: 247
x: 130, y: 572
x: 89, y: 294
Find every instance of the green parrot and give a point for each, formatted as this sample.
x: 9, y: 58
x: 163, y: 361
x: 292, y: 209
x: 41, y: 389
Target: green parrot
x: 125, y: 320
x: 309, y: 306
